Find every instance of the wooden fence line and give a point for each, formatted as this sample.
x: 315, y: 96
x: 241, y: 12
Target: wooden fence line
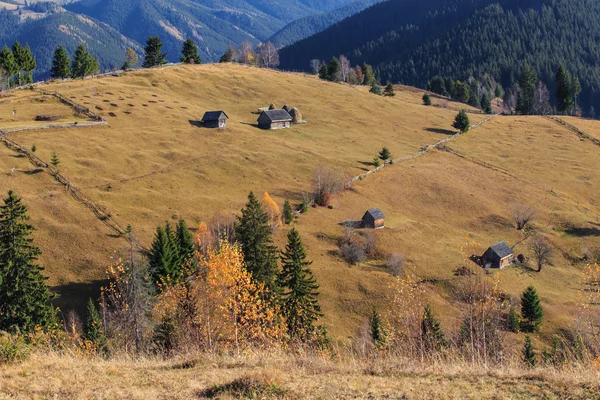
x: 425, y: 149
x: 573, y: 128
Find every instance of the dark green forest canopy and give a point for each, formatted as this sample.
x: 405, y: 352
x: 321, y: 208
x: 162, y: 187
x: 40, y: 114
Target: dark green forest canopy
x: 410, y: 41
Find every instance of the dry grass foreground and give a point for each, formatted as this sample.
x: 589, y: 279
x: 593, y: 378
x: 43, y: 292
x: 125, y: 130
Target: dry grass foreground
x: 286, y: 377
x: 154, y: 163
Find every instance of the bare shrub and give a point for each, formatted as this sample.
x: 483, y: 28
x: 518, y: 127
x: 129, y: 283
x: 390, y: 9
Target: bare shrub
x: 327, y: 183
x: 395, y: 264
x: 46, y: 117
x: 542, y: 251
x: 352, y: 253
x: 370, y: 244
x: 522, y: 214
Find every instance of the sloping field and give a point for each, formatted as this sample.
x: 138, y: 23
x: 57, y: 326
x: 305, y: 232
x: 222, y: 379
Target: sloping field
x: 153, y: 163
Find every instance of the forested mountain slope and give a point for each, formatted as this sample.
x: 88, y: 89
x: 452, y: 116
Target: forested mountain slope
x: 410, y: 41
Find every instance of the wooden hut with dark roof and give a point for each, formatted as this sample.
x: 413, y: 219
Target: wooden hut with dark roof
x: 499, y: 255
x: 214, y: 119
x: 274, y: 119
x: 373, y: 219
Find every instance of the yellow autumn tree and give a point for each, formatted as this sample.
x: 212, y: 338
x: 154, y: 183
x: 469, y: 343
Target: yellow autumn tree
x: 221, y: 304
x: 272, y: 210
x: 204, y: 236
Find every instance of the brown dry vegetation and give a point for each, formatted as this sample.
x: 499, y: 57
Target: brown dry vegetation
x: 283, y: 376
x: 155, y: 164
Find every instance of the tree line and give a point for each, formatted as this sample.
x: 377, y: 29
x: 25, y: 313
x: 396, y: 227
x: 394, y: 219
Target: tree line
x: 265, y: 55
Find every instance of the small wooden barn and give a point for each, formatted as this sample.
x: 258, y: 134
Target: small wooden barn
x: 499, y: 255
x: 274, y: 119
x: 373, y: 219
x: 215, y: 119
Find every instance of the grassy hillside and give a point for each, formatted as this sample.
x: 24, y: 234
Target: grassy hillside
x: 153, y: 163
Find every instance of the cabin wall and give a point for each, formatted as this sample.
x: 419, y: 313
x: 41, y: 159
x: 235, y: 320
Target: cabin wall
x: 211, y: 124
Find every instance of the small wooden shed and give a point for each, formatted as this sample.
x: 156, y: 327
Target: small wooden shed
x: 274, y: 119
x: 373, y: 219
x: 499, y: 255
x: 215, y: 119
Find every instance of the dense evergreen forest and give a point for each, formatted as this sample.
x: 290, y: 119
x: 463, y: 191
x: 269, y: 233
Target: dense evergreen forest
x: 411, y: 42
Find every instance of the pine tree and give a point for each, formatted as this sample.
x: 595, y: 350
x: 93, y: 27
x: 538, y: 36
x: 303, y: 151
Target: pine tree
x: 25, y: 301
x: 324, y: 71
x: 19, y: 54
x: 185, y: 243
x: 376, y: 329
x: 486, y: 104
x: 376, y: 89
x: 531, y: 310
x: 8, y: 62
x: 61, y: 65
x: 83, y: 63
x: 189, y: 54
x: 370, y: 78
x: 431, y: 332
x: 55, y: 161
x: 563, y: 91
x: 529, y: 356
x: 228, y: 56
x: 153, y: 55
x: 461, y: 122
x: 385, y: 154
x: 94, y: 329
x: 528, y: 81
x: 514, y: 322
x: 28, y: 64
x: 164, y: 257
x: 389, y: 90
x: 253, y: 232
x: 288, y: 213
x: 298, y: 286
x: 333, y: 72
x: 426, y: 100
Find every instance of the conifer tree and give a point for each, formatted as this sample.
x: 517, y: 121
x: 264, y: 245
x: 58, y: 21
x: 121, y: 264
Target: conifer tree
x: 514, y: 322
x: 431, y: 332
x: 185, y: 243
x: 486, y: 104
x: 461, y: 122
x: 28, y: 64
x: 19, y: 54
x: 253, y: 232
x: 298, y: 286
x: 376, y: 89
x: 288, y: 213
x: 529, y: 356
x: 55, y: 161
x: 389, y: 90
x: 94, y: 329
x: 376, y: 329
x: 324, y: 71
x: 25, y: 301
x: 228, y: 56
x: 369, y: 74
x: 528, y: 81
x: 189, y: 54
x: 163, y: 258
x: 426, y: 100
x: 333, y: 72
x: 385, y: 154
x: 563, y: 91
x: 8, y: 62
x: 531, y: 310
x: 153, y: 55
x: 61, y: 65
x: 83, y: 63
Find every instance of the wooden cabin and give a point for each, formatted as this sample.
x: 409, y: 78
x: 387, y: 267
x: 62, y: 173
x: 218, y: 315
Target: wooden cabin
x: 274, y: 119
x: 373, y: 219
x: 499, y: 255
x: 215, y: 119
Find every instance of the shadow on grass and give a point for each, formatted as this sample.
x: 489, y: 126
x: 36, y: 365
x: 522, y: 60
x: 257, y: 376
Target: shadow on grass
x: 34, y: 171
x: 74, y: 296
x: 582, y: 232
x: 197, y: 124
x: 246, y: 388
x: 440, y: 131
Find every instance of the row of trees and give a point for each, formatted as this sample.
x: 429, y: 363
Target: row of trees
x: 18, y: 64
x: 340, y: 70
x: 476, y: 92
x: 265, y: 55
x: 83, y: 64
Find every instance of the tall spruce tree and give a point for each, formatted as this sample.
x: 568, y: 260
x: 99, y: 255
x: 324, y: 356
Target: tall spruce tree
x: 531, y: 310
x: 486, y: 104
x: 61, y: 64
x: 253, y: 232
x: 19, y: 54
x: 8, y: 62
x: 163, y: 258
x: 83, y: 64
x: 369, y: 74
x: 25, y: 301
x: 299, y: 303
x: 528, y: 81
x: 431, y: 332
x: 185, y: 243
x: 324, y: 71
x: 333, y: 71
x: 189, y: 54
x: 94, y: 329
x: 376, y: 329
x: 153, y: 55
x: 564, y: 99
x: 288, y: 213
x: 28, y: 64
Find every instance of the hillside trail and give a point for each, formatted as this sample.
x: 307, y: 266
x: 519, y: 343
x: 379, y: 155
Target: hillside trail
x: 101, y: 213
